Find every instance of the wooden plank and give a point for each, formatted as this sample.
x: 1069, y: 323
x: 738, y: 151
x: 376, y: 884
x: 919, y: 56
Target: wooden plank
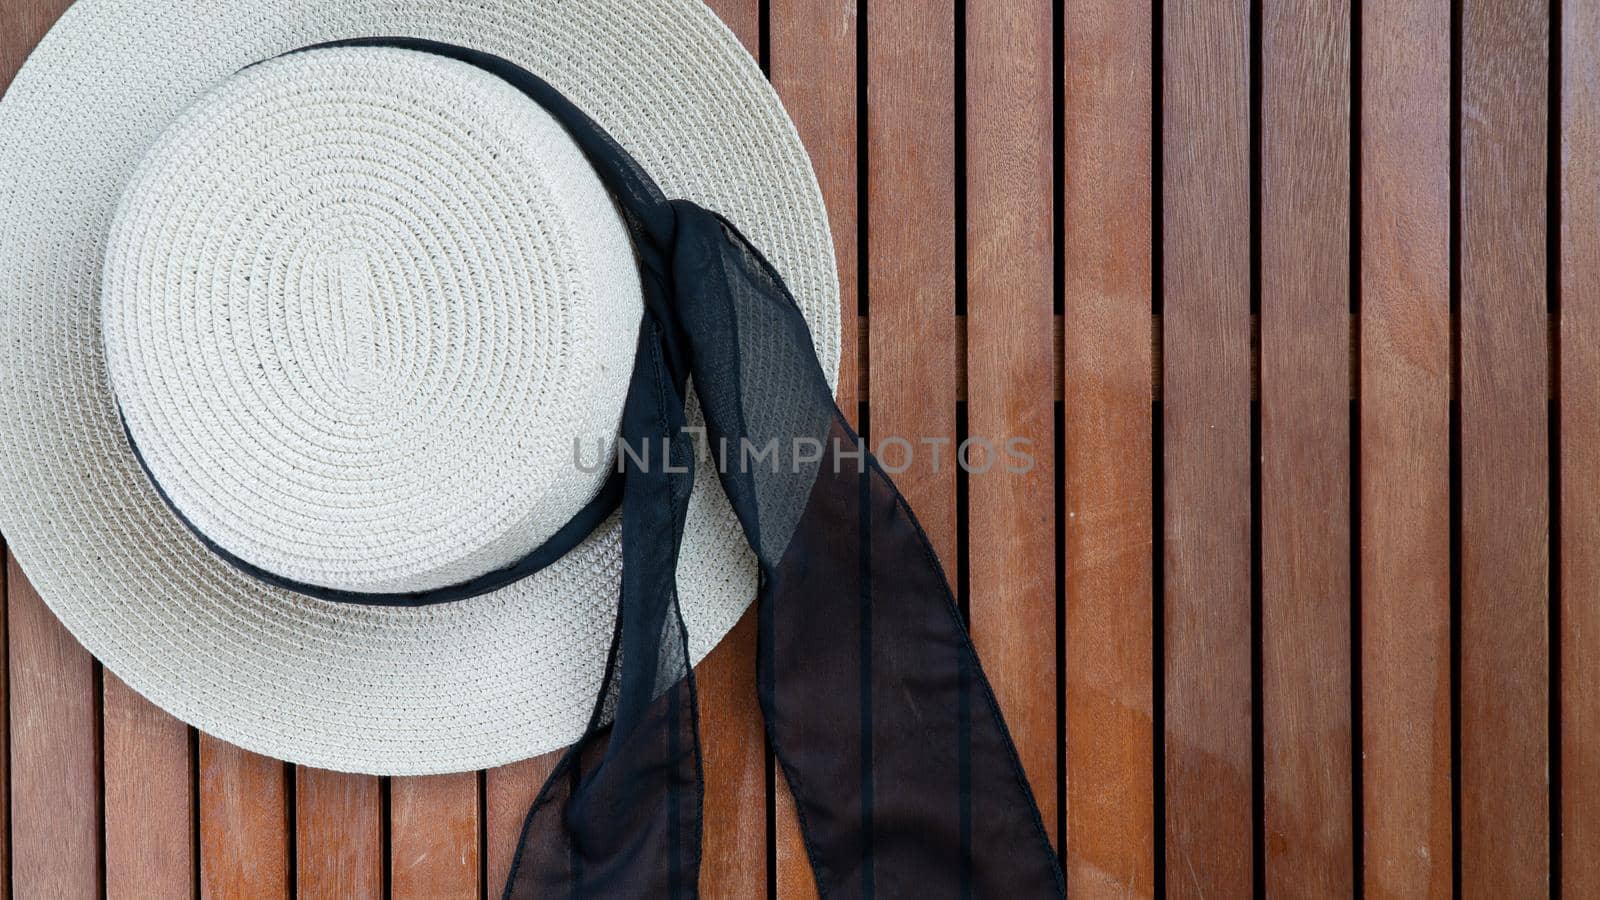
x: 1504, y: 788
x: 55, y: 759
x: 149, y: 800
x: 814, y: 71
x: 1010, y: 382
x: 433, y: 837
x: 743, y: 18
x: 813, y: 66
x: 26, y: 22
x: 1580, y: 449
x: 733, y: 860
x: 1109, y: 627
x: 1206, y: 446
x: 244, y: 823
x: 791, y: 866
x: 338, y: 835
x: 1305, y: 448
x: 911, y: 270
x: 1404, y: 483
x: 509, y: 792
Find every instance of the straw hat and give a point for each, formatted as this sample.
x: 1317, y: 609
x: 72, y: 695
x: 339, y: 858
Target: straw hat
x: 354, y: 306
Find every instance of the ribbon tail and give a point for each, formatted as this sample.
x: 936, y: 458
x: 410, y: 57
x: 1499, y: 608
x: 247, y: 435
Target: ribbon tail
x: 621, y: 813
x: 903, y: 772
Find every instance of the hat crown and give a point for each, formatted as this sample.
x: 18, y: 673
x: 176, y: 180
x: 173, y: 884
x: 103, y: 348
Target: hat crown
x: 355, y: 304
x: 358, y: 305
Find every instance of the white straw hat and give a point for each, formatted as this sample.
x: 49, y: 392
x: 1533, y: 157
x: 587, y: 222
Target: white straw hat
x: 357, y: 303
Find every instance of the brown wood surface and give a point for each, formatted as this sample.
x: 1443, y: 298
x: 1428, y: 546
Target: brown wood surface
x: 1305, y: 448
x: 1155, y: 478
x: 338, y: 835
x: 1404, y: 458
x: 1207, y: 445
x: 55, y: 754
x: 244, y: 823
x: 434, y: 841
x: 509, y: 792
x: 1011, y: 536
x: 433, y: 837
x: 149, y: 797
x: 25, y: 22
x: 1579, y: 367
x: 1504, y: 687
x: 814, y: 69
x: 743, y: 18
x: 733, y: 860
x: 1109, y: 618
x: 813, y: 61
x: 910, y: 85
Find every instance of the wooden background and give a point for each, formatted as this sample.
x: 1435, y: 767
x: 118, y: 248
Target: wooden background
x: 1298, y: 303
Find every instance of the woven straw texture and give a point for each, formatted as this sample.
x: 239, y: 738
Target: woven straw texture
x: 90, y: 121
x: 358, y: 304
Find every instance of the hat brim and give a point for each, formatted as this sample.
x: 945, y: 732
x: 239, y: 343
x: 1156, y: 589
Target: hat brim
x: 392, y: 691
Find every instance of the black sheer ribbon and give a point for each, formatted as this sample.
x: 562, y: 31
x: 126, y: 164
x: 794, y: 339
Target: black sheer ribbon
x: 903, y: 772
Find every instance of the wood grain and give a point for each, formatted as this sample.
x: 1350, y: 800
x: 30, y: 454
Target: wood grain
x: 813, y: 66
x: 743, y: 18
x: 55, y: 758
x: 733, y: 859
x: 814, y: 71
x: 149, y: 799
x: 1505, y: 834
x: 1010, y: 383
x: 1305, y: 447
x: 433, y: 837
x: 25, y: 23
x: 1404, y: 482
x: 1109, y: 622
x: 509, y: 792
x: 338, y: 835
x: 244, y: 823
x: 1580, y: 449
x: 911, y: 266
x: 1206, y: 435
